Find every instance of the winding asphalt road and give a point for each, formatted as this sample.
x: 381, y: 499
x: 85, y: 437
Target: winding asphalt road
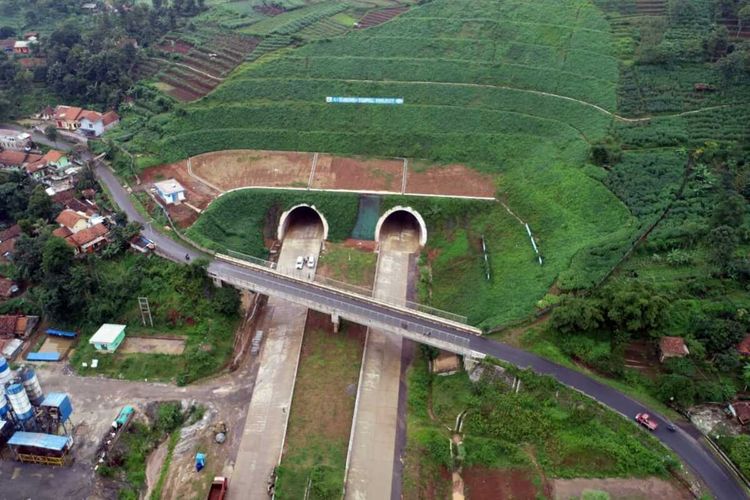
x: 690, y: 449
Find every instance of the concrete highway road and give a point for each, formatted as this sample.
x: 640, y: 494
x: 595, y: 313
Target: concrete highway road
x: 693, y: 452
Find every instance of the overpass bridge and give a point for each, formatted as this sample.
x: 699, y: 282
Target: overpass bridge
x: 722, y: 481
x: 423, y: 327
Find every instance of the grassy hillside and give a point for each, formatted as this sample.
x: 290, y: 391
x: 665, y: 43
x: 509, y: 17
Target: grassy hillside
x: 490, y: 84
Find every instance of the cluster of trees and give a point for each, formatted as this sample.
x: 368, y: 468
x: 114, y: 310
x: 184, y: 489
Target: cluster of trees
x: 89, y: 60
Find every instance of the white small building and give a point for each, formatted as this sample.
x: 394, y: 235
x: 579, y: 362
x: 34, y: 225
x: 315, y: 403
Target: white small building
x: 170, y: 191
x: 14, y: 140
x: 108, y: 337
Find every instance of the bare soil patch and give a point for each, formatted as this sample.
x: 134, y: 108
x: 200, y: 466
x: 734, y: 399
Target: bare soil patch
x: 153, y: 345
x: 359, y: 174
x: 631, y: 489
x: 242, y: 168
x: 198, y: 194
x: 451, y: 180
x: 483, y: 484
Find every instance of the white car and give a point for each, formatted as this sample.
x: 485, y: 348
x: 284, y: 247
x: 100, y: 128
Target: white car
x: 311, y: 261
x: 299, y: 263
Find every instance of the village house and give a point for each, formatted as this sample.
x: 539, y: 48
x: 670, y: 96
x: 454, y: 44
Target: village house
x: 672, y: 347
x: 17, y: 159
x: 52, y: 163
x: 7, y: 44
x: 84, y: 234
x: 66, y: 117
x: 91, y: 123
x: 47, y: 113
x: 22, y: 47
x: 95, y: 124
x: 170, y: 191
x: 15, y: 140
x: 8, y: 239
x: 73, y: 221
x: 8, y: 288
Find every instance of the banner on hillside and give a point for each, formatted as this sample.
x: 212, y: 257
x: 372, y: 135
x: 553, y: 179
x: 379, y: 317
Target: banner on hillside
x: 365, y: 100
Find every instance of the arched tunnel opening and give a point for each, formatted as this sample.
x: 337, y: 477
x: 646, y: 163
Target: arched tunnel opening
x: 401, y: 228
x: 302, y: 222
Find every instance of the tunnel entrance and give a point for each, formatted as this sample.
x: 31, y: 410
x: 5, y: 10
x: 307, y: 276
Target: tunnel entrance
x: 302, y: 221
x: 401, y: 228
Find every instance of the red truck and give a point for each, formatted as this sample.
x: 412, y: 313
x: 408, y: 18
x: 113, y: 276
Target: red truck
x: 645, y: 420
x: 218, y: 488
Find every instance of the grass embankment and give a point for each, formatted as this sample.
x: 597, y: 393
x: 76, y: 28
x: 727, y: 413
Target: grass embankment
x: 545, y: 429
x: 470, y: 74
x: 127, y: 461
x: 183, y: 302
x: 350, y: 265
x: 321, y: 415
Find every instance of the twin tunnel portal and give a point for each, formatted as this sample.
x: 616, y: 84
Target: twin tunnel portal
x: 399, y: 220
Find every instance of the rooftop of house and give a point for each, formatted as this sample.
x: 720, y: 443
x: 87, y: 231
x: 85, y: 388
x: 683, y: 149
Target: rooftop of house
x: 7, y: 246
x: 86, y: 236
x: 673, y: 346
x: 13, y: 231
x: 69, y: 113
x: 92, y: 116
x: 53, y: 156
x: 744, y: 346
x: 742, y: 410
x: 69, y: 218
x: 62, y: 232
x: 8, y: 325
x: 7, y: 287
x: 169, y: 186
x: 110, y: 117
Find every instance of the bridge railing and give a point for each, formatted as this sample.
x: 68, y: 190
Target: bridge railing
x: 356, y: 291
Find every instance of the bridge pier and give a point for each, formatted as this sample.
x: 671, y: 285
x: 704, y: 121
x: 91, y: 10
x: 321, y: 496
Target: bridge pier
x: 217, y: 282
x: 336, y: 320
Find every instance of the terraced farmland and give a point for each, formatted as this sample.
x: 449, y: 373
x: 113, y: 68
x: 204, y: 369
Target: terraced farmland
x: 493, y: 85
x: 188, y: 72
x: 376, y: 17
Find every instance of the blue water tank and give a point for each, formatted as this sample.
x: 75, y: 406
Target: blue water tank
x: 31, y: 384
x: 5, y: 374
x: 20, y: 403
x: 4, y: 406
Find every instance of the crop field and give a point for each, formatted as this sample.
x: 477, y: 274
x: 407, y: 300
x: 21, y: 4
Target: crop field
x: 491, y: 85
x: 376, y: 17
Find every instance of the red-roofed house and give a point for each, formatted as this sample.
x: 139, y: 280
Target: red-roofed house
x: 672, y: 347
x: 7, y: 288
x: 13, y: 231
x: 95, y: 124
x: 6, y: 249
x: 744, y: 346
x: 66, y: 117
x: 72, y: 220
x: 90, y: 239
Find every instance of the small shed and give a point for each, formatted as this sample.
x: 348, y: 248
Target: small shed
x: 108, y: 337
x: 35, y: 447
x: 170, y: 191
x: 672, y: 347
x: 744, y: 346
x: 446, y: 363
x: 741, y: 410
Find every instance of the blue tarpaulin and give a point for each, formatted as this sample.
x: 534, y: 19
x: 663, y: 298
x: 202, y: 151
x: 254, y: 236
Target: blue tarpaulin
x: 61, y: 333
x: 39, y: 440
x: 43, y: 356
x: 200, y: 461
